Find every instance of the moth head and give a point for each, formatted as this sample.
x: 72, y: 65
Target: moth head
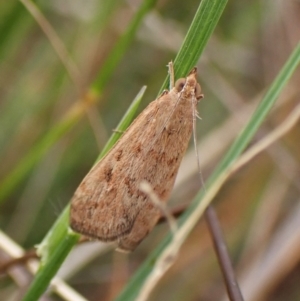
x: 189, y: 85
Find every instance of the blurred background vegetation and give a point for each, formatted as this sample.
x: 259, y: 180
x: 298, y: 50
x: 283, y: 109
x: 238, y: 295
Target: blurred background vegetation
x: 258, y: 208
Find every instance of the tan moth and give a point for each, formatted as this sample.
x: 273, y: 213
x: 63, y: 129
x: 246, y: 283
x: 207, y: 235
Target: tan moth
x: 108, y: 205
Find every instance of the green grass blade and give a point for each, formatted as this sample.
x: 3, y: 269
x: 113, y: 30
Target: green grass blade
x: 203, y: 24
x: 47, y: 271
x: 59, y: 241
x: 261, y: 112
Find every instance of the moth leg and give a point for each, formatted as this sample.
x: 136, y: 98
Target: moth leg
x: 172, y: 76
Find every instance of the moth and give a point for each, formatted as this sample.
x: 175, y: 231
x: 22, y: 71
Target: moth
x: 108, y: 205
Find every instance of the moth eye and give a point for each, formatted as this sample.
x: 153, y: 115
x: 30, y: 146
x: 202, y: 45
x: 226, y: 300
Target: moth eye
x: 180, y: 84
x: 198, y: 92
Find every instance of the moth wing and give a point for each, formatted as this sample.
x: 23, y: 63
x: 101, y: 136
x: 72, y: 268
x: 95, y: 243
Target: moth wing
x: 108, y: 200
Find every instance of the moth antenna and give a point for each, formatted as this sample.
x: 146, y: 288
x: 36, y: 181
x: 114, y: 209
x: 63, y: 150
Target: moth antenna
x: 147, y: 189
x: 172, y: 77
x: 195, y: 115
